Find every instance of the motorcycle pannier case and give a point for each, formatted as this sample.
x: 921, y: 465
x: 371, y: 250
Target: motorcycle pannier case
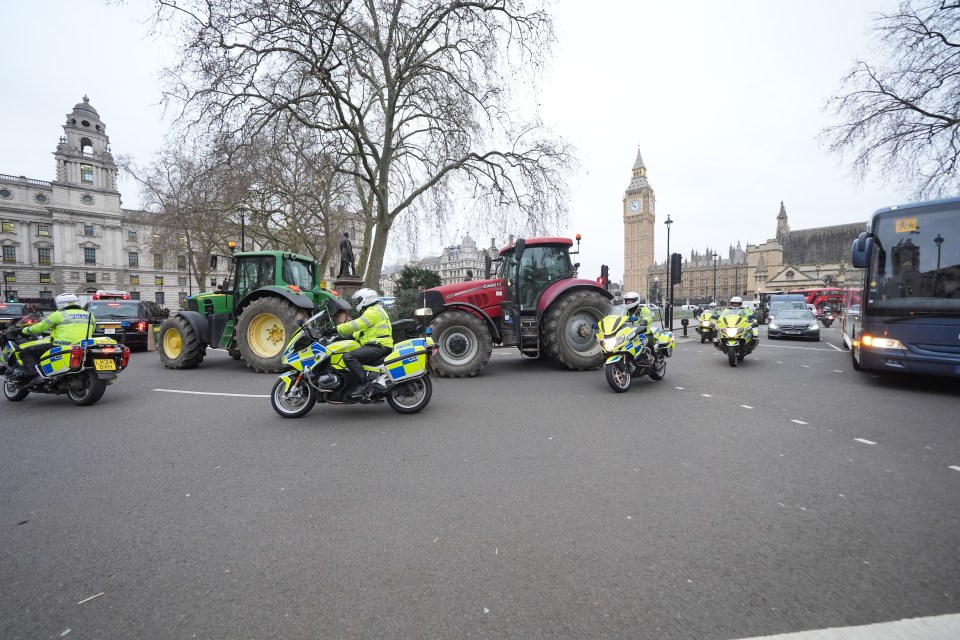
x: 408, y: 359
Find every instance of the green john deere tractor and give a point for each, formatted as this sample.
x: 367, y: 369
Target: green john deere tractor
x: 272, y: 291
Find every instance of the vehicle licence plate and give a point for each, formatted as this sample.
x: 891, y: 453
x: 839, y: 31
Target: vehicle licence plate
x: 104, y: 365
x: 793, y: 333
x: 109, y: 331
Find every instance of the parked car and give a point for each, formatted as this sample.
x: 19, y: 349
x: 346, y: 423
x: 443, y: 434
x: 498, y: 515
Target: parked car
x: 126, y: 321
x: 794, y: 323
x: 846, y: 324
x: 10, y: 311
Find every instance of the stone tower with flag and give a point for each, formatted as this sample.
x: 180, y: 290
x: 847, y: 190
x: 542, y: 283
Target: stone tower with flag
x: 638, y: 227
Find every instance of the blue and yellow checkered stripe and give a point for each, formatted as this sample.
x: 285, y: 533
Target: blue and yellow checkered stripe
x: 55, y: 361
x: 307, y: 358
x: 408, y: 358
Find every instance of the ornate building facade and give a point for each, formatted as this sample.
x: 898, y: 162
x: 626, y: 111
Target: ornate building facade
x: 800, y: 259
x: 639, y: 217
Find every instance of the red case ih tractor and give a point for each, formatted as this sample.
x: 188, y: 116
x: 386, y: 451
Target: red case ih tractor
x: 535, y: 302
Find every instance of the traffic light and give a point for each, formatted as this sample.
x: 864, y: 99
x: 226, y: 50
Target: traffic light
x: 604, y: 278
x: 676, y: 266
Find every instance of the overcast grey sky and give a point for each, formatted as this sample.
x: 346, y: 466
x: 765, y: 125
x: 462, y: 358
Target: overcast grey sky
x: 724, y: 99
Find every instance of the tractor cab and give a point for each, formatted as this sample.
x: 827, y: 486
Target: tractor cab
x: 528, y: 269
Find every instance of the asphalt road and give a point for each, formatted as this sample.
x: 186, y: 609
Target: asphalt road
x: 786, y: 494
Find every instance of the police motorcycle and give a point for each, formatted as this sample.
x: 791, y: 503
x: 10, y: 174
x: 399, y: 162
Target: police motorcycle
x: 634, y: 348
x: 827, y: 317
x: 318, y: 373
x: 736, y: 336
x: 707, y: 325
x: 80, y: 370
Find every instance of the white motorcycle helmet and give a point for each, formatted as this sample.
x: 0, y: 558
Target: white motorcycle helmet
x: 712, y: 305
x: 631, y: 300
x: 736, y: 302
x: 364, y: 298
x: 65, y: 300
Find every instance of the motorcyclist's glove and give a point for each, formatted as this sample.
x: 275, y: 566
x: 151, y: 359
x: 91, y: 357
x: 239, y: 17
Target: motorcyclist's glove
x: 25, y: 331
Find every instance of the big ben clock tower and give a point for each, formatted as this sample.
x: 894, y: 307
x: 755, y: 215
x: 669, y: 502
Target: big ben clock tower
x: 638, y: 226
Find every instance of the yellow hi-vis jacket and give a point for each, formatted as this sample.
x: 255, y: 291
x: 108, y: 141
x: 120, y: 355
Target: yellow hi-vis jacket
x: 70, y: 326
x: 372, y: 326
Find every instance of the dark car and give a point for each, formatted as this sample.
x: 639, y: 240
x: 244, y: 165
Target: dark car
x: 126, y: 321
x: 794, y: 323
x: 13, y: 311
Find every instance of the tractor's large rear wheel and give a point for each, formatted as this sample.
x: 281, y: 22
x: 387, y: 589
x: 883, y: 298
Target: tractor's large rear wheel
x: 263, y: 329
x: 567, y: 331
x: 464, y: 344
x: 180, y: 346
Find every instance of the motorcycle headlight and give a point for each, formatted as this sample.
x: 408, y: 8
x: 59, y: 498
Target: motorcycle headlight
x: 706, y: 324
x: 612, y: 343
x: 730, y: 332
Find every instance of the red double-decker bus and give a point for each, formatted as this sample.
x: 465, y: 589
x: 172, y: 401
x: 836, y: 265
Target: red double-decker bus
x: 834, y: 297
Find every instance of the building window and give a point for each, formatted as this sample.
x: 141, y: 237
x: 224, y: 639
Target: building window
x: 158, y: 297
x: 9, y: 254
x: 131, y: 236
x: 42, y: 199
x: 156, y: 237
x: 9, y: 276
x: 88, y: 229
x: 86, y: 173
x: 89, y: 256
x: 158, y: 280
x: 44, y: 277
x: 134, y: 295
x: 11, y: 295
x: 7, y: 226
x: 46, y: 295
x: 158, y: 261
x: 43, y: 257
x: 182, y: 299
x: 134, y: 279
x: 181, y: 261
x: 91, y: 276
x: 182, y: 281
x: 43, y: 230
x: 133, y: 258
x: 213, y: 282
x: 790, y: 274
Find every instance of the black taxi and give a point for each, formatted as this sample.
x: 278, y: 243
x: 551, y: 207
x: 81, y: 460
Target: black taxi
x: 10, y: 312
x: 126, y: 321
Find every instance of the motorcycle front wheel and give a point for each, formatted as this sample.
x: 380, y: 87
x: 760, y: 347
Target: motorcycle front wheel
x: 90, y: 390
x: 618, y: 375
x: 410, y: 396
x: 13, y: 392
x: 294, y: 403
x: 732, y: 355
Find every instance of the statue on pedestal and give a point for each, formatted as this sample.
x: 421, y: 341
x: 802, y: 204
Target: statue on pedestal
x: 346, y: 257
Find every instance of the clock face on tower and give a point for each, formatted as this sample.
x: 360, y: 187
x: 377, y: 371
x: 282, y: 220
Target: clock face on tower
x: 634, y: 205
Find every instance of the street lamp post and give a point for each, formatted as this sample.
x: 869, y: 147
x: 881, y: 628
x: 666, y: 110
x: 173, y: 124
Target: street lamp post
x: 669, y: 222
x: 715, y: 254
x: 939, y: 241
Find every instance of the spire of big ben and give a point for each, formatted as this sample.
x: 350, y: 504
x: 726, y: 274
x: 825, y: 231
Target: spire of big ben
x: 638, y: 225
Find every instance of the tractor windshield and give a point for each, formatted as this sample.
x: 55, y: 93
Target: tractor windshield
x: 541, y: 266
x: 298, y: 273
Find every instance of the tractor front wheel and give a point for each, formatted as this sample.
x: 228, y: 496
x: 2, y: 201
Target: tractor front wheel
x: 464, y: 344
x: 567, y: 332
x: 262, y: 332
x: 180, y: 346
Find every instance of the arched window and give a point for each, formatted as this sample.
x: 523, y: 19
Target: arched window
x: 86, y: 145
x: 86, y: 173
x: 789, y: 275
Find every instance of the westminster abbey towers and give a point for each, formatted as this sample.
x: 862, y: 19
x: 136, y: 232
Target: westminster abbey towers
x: 638, y: 225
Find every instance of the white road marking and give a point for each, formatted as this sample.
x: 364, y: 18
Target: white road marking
x: 798, y: 421
x: 830, y: 344
x: 787, y: 346
x: 746, y: 406
x: 806, y: 366
x: 210, y: 393
x: 945, y: 627
x: 865, y: 441
x: 706, y: 395
x: 837, y: 371
x: 681, y: 388
x: 955, y: 468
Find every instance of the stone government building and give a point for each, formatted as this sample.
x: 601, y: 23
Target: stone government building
x: 72, y: 235
x: 793, y: 259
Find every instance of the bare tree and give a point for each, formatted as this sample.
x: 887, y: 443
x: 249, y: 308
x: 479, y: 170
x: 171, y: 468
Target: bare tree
x: 414, y: 94
x: 187, y: 196
x: 899, y: 116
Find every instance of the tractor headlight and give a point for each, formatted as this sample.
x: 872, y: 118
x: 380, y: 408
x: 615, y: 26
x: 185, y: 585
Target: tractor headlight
x: 423, y: 311
x: 730, y: 332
